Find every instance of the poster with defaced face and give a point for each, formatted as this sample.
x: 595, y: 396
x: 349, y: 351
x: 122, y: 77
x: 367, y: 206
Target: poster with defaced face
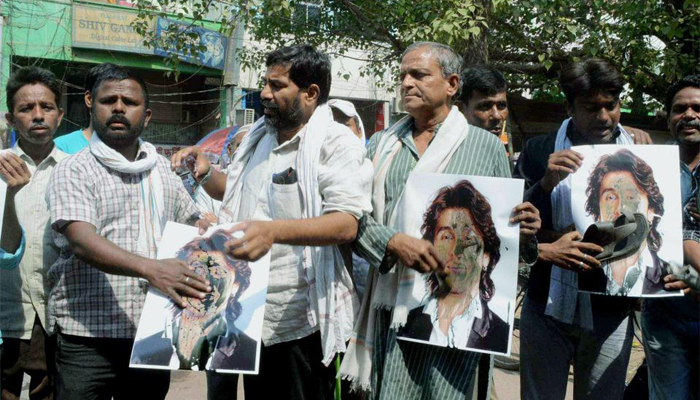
x: 628, y: 200
x: 466, y: 218
x: 218, y: 332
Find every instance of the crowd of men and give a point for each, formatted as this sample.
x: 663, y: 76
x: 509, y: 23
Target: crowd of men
x: 80, y: 235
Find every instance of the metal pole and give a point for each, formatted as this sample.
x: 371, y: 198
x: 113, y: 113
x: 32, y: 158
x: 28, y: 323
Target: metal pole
x: 232, y: 70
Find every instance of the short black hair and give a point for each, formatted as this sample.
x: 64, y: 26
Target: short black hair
x: 686, y: 81
x: 593, y: 75
x: 30, y: 76
x: 307, y: 66
x: 484, y: 79
x: 112, y: 72
x: 94, y: 73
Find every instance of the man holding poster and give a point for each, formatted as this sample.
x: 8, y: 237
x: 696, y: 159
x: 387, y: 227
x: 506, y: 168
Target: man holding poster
x: 109, y: 203
x: 559, y: 324
x: 435, y: 138
x: 298, y: 183
x: 671, y: 326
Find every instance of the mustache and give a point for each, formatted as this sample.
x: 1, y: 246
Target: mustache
x: 120, y: 119
x: 270, y: 105
x: 688, y: 124
x: 38, y: 125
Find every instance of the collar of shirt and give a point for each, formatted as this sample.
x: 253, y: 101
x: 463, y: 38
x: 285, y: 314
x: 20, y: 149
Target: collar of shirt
x: 406, y: 137
x: 289, y: 145
x: 55, y: 156
x: 460, y: 328
x: 644, y: 261
x: 573, y: 137
x: 689, y: 181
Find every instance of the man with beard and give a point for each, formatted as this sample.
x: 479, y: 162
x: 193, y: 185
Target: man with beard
x: 300, y: 182
x: 109, y: 204
x: 558, y: 324
x: 33, y: 100
x: 671, y: 326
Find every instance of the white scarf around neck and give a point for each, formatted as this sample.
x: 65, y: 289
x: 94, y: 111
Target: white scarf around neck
x: 331, y: 295
x: 152, y: 217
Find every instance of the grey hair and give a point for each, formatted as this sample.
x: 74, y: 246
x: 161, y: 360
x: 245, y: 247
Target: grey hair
x: 450, y: 63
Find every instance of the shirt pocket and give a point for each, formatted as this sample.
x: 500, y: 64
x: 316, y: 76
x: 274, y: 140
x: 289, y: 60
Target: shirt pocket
x: 285, y: 201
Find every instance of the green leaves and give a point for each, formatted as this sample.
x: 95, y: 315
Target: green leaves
x: 652, y: 42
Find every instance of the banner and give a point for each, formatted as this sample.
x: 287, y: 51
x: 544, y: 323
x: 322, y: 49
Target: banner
x: 213, y: 54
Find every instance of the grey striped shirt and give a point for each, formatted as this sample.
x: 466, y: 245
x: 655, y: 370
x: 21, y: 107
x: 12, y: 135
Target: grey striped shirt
x: 406, y: 370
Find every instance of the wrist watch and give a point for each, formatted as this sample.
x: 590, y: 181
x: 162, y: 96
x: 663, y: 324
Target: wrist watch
x: 206, y: 176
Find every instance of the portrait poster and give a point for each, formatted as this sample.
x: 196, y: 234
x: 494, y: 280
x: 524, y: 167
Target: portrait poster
x: 631, y: 192
x: 466, y: 218
x: 220, y: 332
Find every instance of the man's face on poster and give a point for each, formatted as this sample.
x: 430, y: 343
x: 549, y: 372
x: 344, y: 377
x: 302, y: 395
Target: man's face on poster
x: 461, y: 247
x: 619, y: 192
x: 203, y: 318
x: 212, y: 266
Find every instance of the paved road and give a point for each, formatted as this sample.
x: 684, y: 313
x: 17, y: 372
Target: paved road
x: 192, y: 385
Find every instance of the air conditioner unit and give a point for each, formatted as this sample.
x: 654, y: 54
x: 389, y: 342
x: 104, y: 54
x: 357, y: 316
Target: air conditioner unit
x: 245, y: 116
x: 397, y: 106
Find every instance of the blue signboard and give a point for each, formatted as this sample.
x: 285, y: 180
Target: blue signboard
x: 215, y: 44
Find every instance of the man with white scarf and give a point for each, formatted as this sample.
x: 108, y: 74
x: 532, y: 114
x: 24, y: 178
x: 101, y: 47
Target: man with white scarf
x: 558, y: 324
x: 109, y: 204
x: 436, y: 138
x: 297, y: 185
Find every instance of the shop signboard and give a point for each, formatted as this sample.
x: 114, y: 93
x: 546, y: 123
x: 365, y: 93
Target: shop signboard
x: 106, y: 29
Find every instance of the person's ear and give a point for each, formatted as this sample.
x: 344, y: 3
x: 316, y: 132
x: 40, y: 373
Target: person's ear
x: 453, y: 82
x: 148, y: 118
x: 569, y: 108
x: 651, y: 213
x: 10, y: 119
x: 312, y: 94
x: 485, y: 261
x: 88, y: 101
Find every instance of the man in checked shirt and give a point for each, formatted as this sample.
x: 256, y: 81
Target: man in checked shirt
x: 109, y: 203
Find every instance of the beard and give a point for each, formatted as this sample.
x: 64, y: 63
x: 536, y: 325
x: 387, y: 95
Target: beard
x: 284, y: 120
x: 117, y: 140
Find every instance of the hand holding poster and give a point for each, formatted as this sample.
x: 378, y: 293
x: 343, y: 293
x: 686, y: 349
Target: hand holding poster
x: 632, y: 194
x: 218, y: 332
x: 466, y: 218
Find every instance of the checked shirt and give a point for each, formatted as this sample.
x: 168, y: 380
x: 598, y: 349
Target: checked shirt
x: 85, y: 301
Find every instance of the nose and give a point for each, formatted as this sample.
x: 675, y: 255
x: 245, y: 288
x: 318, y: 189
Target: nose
x: 495, y: 114
x: 407, y: 82
x: 38, y: 114
x: 690, y: 114
x: 603, y: 115
x: 119, y: 107
x: 266, y: 93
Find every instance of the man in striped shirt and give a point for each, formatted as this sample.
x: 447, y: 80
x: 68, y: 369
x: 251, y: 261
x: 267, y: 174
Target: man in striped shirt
x: 429, y: 82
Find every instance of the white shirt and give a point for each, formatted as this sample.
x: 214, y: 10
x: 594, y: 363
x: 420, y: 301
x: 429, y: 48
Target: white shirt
x: 287, y: 305
x: 24, y: 290
x: 460, y: 328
